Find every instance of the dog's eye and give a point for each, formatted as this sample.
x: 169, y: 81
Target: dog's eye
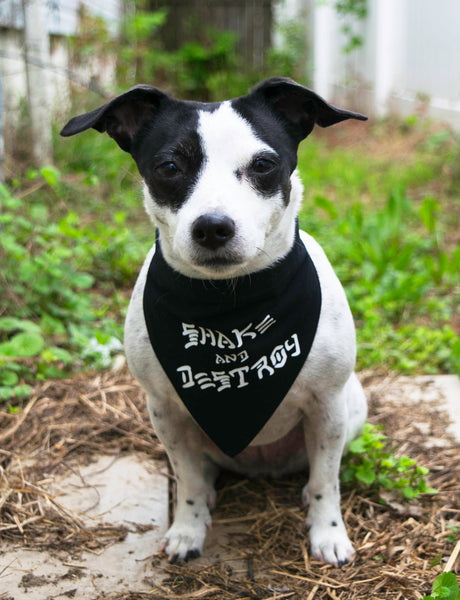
x: 262, y: 165
x: 167, y: 169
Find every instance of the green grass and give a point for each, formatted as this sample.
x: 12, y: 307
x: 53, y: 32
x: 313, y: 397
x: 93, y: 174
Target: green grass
x: 339, y: 173
x: 74, y: 237
x: 387, y: 238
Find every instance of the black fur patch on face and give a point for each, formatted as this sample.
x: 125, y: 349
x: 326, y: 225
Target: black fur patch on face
x: 270, y: 130
x: 169, y: 155
x: 268, y: 174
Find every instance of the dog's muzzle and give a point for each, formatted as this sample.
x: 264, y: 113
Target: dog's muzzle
x: 214, y: 236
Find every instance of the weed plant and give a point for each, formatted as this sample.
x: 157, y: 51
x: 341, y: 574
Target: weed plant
x: 371, y: 463
x: 445, y: 587
x: 399, y: 275
x: 63, y: 280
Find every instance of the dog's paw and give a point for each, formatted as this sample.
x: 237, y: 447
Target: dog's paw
x: 183, y: 542
x: 330, y: 543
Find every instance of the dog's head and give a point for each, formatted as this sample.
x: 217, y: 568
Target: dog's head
x: 219, y: 178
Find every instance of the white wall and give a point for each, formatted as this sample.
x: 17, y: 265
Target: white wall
x: 410, y: 57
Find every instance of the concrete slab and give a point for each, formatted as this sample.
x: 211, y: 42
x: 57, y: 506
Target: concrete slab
x: 130, y: 491
x: 437, y: 392
x: 450, y: 388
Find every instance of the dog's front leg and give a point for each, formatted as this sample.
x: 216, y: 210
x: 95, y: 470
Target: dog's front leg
x: 325, y: 431
x: 194, y: 475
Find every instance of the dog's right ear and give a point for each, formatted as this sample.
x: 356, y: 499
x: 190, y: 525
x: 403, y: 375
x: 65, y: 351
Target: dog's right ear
x: 123, y: 116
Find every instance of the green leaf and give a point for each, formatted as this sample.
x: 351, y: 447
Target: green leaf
x: 422, y: 470
x: 13, y: 324
x: 6, y: 392
x: 436, y: 561
x: 51, y: 175
x: 22, y: 391
x: 18, y: 391
x: 404, y: 463
x: 23, y: 345
x: 365, y: 475
x: 429, y: 212
x: 327, y: 206
x: 445, y: 586
x: 409, y: 493
x: 9, y: 378
x: 102, y: 337
x: 56, y: 354
x: 357, y: 446
x: 83, y: 280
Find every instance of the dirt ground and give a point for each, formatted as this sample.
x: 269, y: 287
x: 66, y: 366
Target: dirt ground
x: 257, y: 548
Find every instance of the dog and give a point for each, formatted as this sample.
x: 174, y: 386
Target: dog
x: 238, y: 329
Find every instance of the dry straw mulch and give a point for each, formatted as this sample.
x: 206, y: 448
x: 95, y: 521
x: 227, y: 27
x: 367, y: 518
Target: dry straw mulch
x: 263, y: 553
x: 99, y: 415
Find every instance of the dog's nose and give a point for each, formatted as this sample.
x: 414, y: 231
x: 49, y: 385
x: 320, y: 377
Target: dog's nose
x: 213, y: 231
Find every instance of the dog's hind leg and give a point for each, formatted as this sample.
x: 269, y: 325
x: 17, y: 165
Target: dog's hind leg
x: 194, y: 475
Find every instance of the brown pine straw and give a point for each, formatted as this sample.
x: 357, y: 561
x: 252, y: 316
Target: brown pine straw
x: 262, y: 545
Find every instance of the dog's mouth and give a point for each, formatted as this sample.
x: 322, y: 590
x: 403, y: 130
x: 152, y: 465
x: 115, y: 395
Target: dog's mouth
x: 218, y: 262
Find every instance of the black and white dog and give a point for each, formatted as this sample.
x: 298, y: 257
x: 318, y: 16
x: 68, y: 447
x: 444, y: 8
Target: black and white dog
x: 238, y: 329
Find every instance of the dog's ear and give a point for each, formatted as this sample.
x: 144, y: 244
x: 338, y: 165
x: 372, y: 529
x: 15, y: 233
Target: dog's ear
x: 123, y: 116
x: 299, y: 107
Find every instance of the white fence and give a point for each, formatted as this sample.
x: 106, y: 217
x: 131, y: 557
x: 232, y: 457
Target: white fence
x: 409, y: 61
x: 34, y: 63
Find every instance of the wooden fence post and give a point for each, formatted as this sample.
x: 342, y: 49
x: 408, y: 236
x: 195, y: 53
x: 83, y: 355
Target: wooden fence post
x: 37, y: 56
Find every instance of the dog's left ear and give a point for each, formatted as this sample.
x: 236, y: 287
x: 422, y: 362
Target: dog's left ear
x: 123, y: 116
x: 299, y: 107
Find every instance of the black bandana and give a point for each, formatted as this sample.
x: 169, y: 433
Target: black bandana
x: 233, y: 348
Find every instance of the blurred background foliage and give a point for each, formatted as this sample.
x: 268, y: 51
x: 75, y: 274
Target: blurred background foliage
x: 381, y: 197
